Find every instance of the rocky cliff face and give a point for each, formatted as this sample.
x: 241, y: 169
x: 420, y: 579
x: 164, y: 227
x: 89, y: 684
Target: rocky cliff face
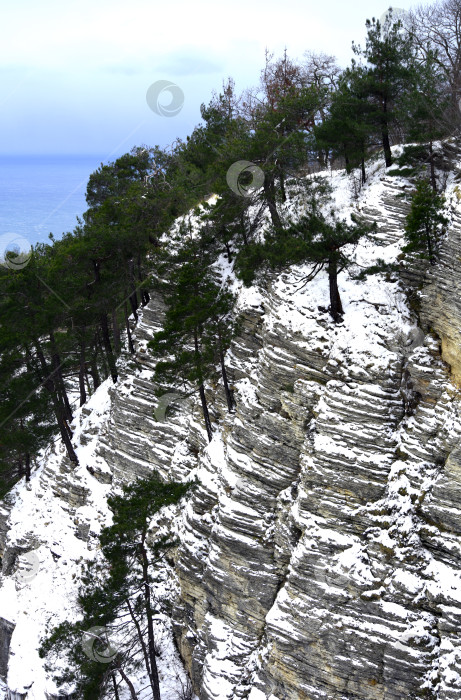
x: 319, y: 556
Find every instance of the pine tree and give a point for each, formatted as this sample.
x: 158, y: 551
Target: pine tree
x: 388, y: 52
x: 314, y: 239
x: 347, y: 129
x: 427, y: 104
x: 197, y: 324
x: 425, y: 222
x: 117, y: 595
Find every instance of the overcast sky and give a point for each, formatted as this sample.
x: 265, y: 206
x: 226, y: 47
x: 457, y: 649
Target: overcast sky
x: 74, y: 74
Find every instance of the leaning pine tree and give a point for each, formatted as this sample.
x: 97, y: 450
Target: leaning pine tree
x: 325, y: 243
x: 116, y: 633
x: 197, y: 328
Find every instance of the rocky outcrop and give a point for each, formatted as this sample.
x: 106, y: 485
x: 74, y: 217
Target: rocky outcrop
x: 319, y: 553
x: 312, y: 563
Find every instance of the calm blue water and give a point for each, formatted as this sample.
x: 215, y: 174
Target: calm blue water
x: 43, y: 194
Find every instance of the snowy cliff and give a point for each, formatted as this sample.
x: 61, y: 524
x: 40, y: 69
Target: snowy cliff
x: 319, y: 556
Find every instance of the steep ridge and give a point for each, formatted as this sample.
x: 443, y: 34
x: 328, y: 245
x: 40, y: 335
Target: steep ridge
x: 317, y: 575
x: 319, y: 554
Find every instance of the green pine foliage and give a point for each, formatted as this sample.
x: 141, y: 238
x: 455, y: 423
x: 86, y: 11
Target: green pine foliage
x: 425, y: 223
x: 116, y: 595
x: 198, y: 325
x: 389, y: 55
x: 325, y: 243
x: 67, y: 316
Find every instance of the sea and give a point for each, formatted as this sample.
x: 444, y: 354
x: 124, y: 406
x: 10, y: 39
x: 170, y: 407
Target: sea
x: 43, y: 194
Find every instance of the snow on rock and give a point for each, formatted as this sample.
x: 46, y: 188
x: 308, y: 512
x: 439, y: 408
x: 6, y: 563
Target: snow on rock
x: 320, y: 551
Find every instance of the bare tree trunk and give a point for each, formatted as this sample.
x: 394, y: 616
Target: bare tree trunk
x: 142, y: 642
x: 269, y: 191
x: 229, y: 394
x: 282, y: 186
x: 128, y: 682
x: 432, y: 165
x: 59, y: 379
x: 116, y: 693
x: 150, y: 624
x: 108, y: 347
x: 385, y: 136
x: 116, y: 332
x: 128, y: 331
x: 336, y: 309
x: 206, y: 415
x: 81, y: 373
x: 50, y: 386
x: 430, y: 249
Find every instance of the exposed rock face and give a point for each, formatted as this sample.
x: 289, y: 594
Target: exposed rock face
x: 316, y: 554
x: 6, y: 630
x: 319, y: 555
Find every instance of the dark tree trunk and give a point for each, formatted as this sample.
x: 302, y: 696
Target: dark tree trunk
x: 95, y: 373
x: 59, y: 379
x: 430, y: 249
x: 364, y: 174
x: 114, y: 681
x: 282, y: 186
x: 27, y: 467
x: 269, y: 191
x: 347, y: 162
x: 229, y: 393
x: 336, y: 309
x: 129, y: 683
x: 142, y: 642
x: 228, y: 251
x: 206, y: 415
x: 432, y: 166
x: 385, y: 136
x: 81, y: 373
x: 150, y: 624
x: 108, y: 347
x: 50, y: 386
x: 243, y: 227
x: 134, y: 305
x: 116, y: 332
x: 133, y: 296
x: 93, y: 362
x: 128, y: 331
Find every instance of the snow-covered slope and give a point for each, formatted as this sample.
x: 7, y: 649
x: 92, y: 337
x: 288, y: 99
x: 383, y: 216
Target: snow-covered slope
x: 319, y: 556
